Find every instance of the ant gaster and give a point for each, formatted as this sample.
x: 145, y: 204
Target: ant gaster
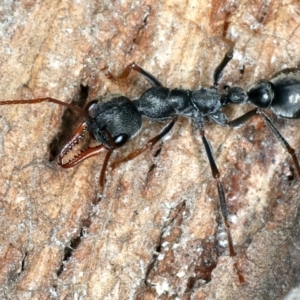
x: 115, y: 122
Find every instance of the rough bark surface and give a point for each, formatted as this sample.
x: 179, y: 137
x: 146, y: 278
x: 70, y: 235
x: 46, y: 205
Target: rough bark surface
x: 156, y: 232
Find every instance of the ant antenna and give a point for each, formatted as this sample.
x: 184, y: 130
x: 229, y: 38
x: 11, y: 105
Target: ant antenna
x: 77, y: 109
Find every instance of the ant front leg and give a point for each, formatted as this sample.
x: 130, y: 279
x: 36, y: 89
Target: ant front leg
x: 149, y: 144
x: 222, y: 198
x: 133, y: 66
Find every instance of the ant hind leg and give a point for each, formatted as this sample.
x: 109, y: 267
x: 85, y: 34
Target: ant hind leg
x: 218, y: 73
x: 257, y: 111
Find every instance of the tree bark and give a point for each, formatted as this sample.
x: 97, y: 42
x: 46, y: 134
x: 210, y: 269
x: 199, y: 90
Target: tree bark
x: 157, y: 232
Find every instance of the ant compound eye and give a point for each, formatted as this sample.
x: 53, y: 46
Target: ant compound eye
x: 121, y: 139
x: 261, y: 94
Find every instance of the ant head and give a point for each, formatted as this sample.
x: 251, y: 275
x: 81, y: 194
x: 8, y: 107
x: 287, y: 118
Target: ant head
x: 113, y: 122
x: 261, y: 94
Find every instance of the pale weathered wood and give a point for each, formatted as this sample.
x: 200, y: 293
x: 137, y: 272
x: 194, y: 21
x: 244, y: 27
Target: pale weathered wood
x: 158, y: 219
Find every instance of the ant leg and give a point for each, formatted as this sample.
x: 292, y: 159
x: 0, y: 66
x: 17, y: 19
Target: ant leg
x: 281, y: 139
x: 218, y: 73
x: 104, y: 167
x: 149, y: 77
x: 257, y: 111
x: 150, y: 144
x: 240, y: 121
x: 133, y: 66
x: 80, y: 111
x: 107, y: 157
x: 221, y: 119
x: 216, y: 176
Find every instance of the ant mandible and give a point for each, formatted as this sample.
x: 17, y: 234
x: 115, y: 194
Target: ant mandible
x: 115, y: 122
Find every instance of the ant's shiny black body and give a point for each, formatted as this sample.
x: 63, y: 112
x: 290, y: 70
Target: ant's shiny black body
x: 118, y: 120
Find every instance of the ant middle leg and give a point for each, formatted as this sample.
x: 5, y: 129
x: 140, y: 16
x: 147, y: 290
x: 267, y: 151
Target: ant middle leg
x: 222, y: 198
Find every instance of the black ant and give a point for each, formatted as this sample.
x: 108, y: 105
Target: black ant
x: 115, y: 122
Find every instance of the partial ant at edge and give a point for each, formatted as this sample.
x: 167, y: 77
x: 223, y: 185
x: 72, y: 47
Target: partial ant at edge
x: 115, y: 122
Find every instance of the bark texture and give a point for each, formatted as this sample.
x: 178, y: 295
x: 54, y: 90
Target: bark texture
x: 157, y: 232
